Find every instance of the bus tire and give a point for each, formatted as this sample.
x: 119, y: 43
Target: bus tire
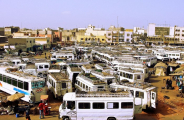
x: 111, y: 118
x: 65, y: 118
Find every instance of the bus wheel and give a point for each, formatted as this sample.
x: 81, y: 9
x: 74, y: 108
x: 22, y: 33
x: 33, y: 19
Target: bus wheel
x: 65, y: 118
x: 111, y: 118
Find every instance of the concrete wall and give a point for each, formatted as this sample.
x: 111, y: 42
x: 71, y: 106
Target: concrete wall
x: 151, y: 30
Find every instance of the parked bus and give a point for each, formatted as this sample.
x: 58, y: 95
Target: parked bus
x: 59, y: 84
x: 146, y: 91
x: 99, y: 106
x: 12, y: 81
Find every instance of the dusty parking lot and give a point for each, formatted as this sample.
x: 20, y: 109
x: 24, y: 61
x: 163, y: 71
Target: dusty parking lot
x: 171, y: 108
x: 167, y: 109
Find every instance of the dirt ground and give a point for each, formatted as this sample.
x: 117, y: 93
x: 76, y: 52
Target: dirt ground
x: 167, y: 109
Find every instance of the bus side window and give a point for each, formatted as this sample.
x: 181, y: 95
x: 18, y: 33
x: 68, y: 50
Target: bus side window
x: 139, y: 94
x: 26, y: 86
x: 0, y: 77
x: 84, y: 105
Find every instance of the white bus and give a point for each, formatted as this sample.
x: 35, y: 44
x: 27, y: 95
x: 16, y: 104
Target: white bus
x: 12, y: 81
x: 147, y: 60
x: 59, y: 84
x: 174, y: 54
x: 99, y: 106
x: 162, y: 56
x: 146, y: 91
x: 88, y: 82
x: 131, y: 75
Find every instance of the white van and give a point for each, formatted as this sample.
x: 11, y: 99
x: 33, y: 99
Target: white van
x: 162, y: 56
x: 145, y: 91
x: 174, y: 55
x: 99, y: 106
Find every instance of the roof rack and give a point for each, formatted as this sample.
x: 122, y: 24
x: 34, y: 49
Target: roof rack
x: 127, y: 94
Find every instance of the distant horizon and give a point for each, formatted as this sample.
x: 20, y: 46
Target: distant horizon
x: 80, y: 13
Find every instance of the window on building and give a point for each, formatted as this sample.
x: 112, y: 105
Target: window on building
x: 30, y: 41
x: 182, y: 30
x: 102, y: 39
x: 128, y: 34
x: 81, y: 38
x: 109, y: 34
x: 84, y: 105
x: 47, y: 41
x: 63, y: 85
x: 20, y: 84
x: 113, y: 105
x: 68, y: 38
x: 127, y: 40
x: 125, y: 105
x: 26, y: 85
x: 98, y: 105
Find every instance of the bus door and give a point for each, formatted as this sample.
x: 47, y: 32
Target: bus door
x: 138, y: 105
x: 153, y: 99
x: 71, y: 110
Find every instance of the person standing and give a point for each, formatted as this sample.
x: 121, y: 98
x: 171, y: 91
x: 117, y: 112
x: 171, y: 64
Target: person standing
x: 41, y: 105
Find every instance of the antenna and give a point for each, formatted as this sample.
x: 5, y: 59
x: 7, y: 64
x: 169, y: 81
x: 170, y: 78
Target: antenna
x: 117, y: 21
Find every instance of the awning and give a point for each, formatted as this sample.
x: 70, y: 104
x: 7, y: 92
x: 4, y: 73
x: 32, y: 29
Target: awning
x: 15, y: 97
x: 176, y: 74
x: 44, y: 97
x: 173, y: 64
x: 161, y: 64
x: 179, y: 69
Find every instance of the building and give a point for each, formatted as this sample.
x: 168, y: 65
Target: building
x: 1, y: 31
x: 22, y: 43
x: 139, y: 31
x: 43, y: 42
x: 128, y: 35
x: 163, y: 34
x: 10, y: 30
x: 179, y: 33
x: 92, y: 35
x: 115, y: 35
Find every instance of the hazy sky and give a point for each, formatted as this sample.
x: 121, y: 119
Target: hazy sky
x: 70, y: 14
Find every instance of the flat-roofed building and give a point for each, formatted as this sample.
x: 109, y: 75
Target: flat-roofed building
x: 10, y: 30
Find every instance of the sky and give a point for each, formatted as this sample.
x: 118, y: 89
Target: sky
x: 69, y: 14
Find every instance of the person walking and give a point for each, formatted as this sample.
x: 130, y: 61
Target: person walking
x: 41, y: 105
x: 28, y: 117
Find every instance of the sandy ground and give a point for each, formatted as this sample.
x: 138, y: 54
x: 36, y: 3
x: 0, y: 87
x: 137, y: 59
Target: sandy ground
x: 167, y: 109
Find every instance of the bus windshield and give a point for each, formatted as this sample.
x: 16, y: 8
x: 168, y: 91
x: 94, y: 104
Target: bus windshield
x: 64, y: 105
x: 37, y: 84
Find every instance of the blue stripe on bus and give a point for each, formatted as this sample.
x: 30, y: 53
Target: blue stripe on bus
x: 20, y: 91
